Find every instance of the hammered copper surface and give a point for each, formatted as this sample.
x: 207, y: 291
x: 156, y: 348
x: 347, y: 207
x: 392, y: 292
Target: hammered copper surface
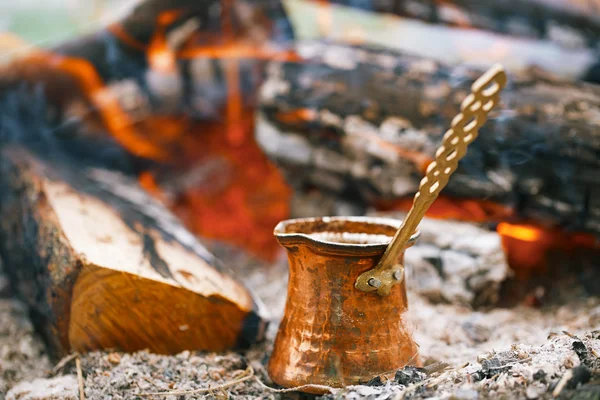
x: 333, y: 334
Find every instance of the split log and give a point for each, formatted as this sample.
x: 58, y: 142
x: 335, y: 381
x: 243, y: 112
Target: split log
x: 362, y: 124
x: 103, y: 265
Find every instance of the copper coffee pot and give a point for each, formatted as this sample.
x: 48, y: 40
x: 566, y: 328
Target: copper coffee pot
x: 344, y: 320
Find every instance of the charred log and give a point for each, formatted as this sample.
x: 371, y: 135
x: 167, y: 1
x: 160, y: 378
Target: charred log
x: 103, y: 265
x: 363, y: 123
x: 117, y: 64
x: 146, y: 95
x: 568, y: 23
x: 121, y: 50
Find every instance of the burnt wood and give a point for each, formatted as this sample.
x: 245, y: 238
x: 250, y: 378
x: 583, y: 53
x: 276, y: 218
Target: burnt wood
x: 101, y: 100
x: 119, y: 51
x: 118, y: 56
x: 568, y: 23
x: 103, y: 265
x: 362, y: 124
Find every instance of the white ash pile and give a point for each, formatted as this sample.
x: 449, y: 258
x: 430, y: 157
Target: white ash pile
x: 457, y: 262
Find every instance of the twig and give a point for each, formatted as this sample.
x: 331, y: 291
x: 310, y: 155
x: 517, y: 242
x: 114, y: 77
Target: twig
x: 562, y: 383
x: 569, y: 334
x: 437, y: 381
x: 80, y: 378
x: 150, y: 381
x: 435, y: 367
x: 249, y: 375
x: 297, y: 388
x: 64, y: 361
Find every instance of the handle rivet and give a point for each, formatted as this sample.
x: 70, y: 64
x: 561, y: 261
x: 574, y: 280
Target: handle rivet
x: 397, y: 274
x: 374, y: 282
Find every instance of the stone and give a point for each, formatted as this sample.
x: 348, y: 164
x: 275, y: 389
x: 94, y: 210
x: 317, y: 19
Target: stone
x: 409, y: 375
x: 458, y: 263
x: 59, y: 388
x: 532, y: 392
x: 465, y: 393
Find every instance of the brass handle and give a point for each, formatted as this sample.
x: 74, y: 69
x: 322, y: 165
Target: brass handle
x: 485, y: 94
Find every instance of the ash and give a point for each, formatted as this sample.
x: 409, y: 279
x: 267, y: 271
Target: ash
x: 547, y: 351
x: 21, y: 350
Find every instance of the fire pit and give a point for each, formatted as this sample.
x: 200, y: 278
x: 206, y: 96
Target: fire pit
x: 144, y: 166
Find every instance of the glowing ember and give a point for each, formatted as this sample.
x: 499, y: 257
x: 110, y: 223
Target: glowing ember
x: 528, y: 247
x: 520, y: 232
x: 459, y: 209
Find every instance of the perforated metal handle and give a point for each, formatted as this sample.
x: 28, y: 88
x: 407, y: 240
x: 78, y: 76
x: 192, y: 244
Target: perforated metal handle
x: 485, y: 94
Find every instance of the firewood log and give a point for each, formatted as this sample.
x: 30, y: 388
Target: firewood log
x: 103, y: 265
x: 517, y: 34
x: 362, y: 124
x: 568, y: 23
x: 121, y: 51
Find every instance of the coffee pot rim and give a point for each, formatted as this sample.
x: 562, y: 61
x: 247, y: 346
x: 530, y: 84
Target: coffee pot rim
x: 285, y: 236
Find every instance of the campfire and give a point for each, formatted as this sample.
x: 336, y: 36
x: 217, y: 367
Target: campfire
x: 143, y: 167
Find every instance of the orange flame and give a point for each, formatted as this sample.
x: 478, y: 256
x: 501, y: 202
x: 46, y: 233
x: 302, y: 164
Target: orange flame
x: 106, y: 104
x: 242, y: 202
x: 523, y: 233
x: 248, y: 196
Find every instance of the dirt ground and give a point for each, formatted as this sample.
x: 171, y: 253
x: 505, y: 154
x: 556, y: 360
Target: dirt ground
x: 529, y: 352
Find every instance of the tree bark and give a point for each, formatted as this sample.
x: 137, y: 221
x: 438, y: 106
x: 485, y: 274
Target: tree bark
x: 568, y: 23
x: 103, y: 265
x: 362, y: 124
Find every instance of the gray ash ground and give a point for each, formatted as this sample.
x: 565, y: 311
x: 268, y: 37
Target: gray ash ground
x: 460, y: 365
x: 521, y: 371
x: 22, y: 355
x: 519, y: 352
